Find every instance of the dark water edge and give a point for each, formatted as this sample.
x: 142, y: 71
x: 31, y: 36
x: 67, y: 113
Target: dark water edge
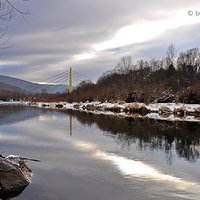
x: 83, y: 154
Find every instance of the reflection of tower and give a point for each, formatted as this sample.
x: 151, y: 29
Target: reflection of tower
x: 70, y: 123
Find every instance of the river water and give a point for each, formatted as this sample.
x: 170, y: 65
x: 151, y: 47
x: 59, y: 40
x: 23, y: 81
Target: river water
x: 85, y: 156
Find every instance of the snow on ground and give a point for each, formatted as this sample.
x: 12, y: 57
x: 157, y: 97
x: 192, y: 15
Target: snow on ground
x: 154, y: 107
x: 106, y: 108
x: 10, y: 102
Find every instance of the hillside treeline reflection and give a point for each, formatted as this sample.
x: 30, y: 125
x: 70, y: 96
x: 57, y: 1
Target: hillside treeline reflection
x: 181, y: 137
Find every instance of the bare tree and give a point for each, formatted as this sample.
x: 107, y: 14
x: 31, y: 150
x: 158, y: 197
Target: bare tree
x: 8, y: 10
x: 188, y: 64
x: 171, y: 55
x: 124, y: 65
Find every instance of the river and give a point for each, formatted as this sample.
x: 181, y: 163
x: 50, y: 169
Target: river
x: 85, y: 156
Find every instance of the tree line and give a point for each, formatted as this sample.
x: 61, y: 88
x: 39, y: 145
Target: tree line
x: 170, y: 79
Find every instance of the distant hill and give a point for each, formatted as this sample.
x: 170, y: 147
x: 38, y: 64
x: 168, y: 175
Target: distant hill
x: 11, y: 83
x: 4, y: 86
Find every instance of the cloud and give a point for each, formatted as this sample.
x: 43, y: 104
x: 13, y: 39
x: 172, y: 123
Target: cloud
x: 64, y: 33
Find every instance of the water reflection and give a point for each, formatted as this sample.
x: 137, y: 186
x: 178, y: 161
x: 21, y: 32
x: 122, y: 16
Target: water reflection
x: 14, y: 113
x: 70, y: 123
x: 11, y: 194
x: 92, y: 163
x: 10, y: 114
x: 182, y: 137
x: 131, y: 168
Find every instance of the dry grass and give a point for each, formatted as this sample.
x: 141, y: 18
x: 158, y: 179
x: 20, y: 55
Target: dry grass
x: 137, y: 108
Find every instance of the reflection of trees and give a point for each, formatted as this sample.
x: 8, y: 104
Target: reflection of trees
x: 183, y: 137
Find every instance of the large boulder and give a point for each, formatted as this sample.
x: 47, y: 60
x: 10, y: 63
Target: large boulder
x: 180, y: 112
x: 14, y: 176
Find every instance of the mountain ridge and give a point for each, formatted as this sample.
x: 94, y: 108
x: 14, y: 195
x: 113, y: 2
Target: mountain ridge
x: 16, y: 84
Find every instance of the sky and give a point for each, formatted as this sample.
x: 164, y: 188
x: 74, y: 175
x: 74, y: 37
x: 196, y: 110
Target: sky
x: 93, y: 35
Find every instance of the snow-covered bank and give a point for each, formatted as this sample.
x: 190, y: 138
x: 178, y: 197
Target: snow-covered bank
x: 190, y: 108
x: 10, y: 102
x: 159, y: 111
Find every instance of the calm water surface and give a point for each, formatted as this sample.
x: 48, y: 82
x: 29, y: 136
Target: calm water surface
x: 86, y: 157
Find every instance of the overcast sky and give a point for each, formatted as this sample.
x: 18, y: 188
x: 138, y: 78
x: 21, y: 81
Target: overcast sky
x: 92, y: 35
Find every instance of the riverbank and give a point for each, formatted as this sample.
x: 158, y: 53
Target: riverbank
x: 10, y: 102
x: 159, y: 111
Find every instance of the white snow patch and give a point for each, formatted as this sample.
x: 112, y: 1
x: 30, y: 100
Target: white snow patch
x: 10, y: 102
x: 154, y: 107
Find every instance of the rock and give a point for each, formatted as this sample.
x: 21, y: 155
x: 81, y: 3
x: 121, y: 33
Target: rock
x: 115, y: 109
x: 59, y: 106
x: 180, y: 112
x: 197, y: 111
x: 45, y: 105
x: 14, y: 177
x: 165, y: 110
x: 76, y: 106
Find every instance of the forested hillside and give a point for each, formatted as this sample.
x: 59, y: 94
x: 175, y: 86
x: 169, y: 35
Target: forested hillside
x: 171, y: 79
